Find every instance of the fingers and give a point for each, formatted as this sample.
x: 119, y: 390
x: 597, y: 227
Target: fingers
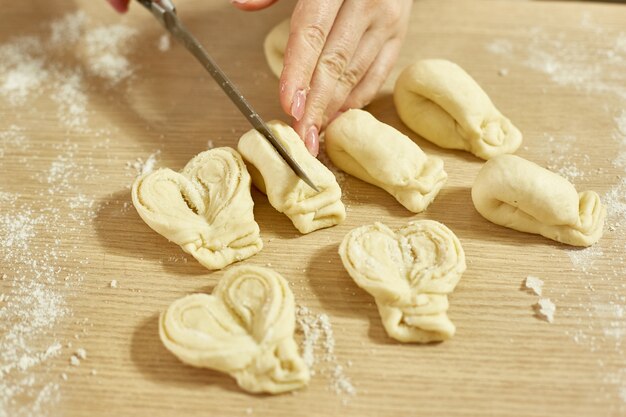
x: 337, y: 54
x: 366, y: 53
x: 251, y: 5
x: 311, y: 23
x: 374, y: 78
x: 119, y: 5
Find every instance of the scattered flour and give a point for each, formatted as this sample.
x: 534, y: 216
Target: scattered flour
x: 106, y: 52
x: 164, y: 43
x: 318, y: 336
x: 142, y: 167
x: 42, y: 267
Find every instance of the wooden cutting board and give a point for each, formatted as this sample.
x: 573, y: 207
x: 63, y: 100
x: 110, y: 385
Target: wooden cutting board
x: 82, y: 271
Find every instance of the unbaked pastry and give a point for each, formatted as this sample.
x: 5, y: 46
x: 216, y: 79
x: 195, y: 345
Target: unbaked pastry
x: 439, y: 101
x: 245, y: 328
x: 379, y: 154
x: 519, y: 194
x: 206, y: 208
x: 275, y: 45
x: 409, y: 272
x: 308, y: 209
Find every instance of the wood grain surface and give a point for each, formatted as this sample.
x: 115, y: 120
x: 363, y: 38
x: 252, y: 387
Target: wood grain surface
x: 556, y: 69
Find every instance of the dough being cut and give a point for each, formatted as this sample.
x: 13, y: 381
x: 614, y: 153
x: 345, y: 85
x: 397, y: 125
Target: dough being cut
x: 308, y: 209
x: 519, y: 194
x: 378, y: 154
x: 439, y: 101
x: 245, y: 328
x: 409, y: 272
x: 275, y: 45
x: 206, y: 208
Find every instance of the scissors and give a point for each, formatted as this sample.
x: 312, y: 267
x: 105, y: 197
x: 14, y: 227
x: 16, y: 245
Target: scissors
x: 165, y: 12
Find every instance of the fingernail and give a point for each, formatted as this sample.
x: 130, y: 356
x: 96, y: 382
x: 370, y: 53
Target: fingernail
x: 239, y: 1
x: 297, y: 104
x: 312, y: 140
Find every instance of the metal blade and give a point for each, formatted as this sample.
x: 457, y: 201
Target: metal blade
x: 178, y: 30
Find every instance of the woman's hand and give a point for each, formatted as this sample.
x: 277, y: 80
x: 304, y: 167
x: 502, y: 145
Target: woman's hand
x: 338, y: 55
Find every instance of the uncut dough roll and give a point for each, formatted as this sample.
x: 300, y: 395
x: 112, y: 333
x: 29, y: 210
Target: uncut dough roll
x: 513, y: 192
x: 409, y: 272
x: 206, y: 209
x: 308, y: 209
x: 275, y: 45
x: 245, y: 328
x: 375, y: 152
x: 442, y: 103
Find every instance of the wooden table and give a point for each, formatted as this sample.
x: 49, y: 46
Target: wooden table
x: 558, y: 70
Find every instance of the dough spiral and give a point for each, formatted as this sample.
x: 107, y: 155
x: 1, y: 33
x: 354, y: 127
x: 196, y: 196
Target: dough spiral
x: 409, y: 272
x: 206, y: 208
x: 245, y: 328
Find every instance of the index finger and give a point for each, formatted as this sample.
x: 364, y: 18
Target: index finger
x: 311, y: 22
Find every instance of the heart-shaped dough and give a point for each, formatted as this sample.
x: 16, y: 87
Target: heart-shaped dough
x: 245, y: 328
x: 275, y: 45
x: 409, y: 273
x: 309, y: 210
x: 521, y: 195
x: 442, y: 103
x: 206, y: 208
x: 375, y: 152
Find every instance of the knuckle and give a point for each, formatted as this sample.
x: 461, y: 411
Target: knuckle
x: 334, y: 62
x: 314, y: 36
x: 350, y: 77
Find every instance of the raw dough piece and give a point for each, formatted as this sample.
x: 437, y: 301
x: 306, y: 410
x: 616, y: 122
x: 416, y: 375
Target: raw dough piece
x: 519, y: 194
x: 275, y: 45
x: 439, y: 101
x: 245, y: 328
x: 409, y: 273
x: 206, y: 208
x: 378, y: 154
x: 308, y: 209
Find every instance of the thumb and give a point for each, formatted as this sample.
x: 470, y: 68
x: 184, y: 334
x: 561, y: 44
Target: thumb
x: 251, y: 5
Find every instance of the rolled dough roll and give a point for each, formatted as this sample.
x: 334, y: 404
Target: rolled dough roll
x: 521, y: 195
x: 442, y: 103
x: 375, y: 152
x: 308, y: 209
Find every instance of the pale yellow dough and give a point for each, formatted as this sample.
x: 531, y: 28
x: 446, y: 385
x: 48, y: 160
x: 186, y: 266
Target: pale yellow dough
x: 275, y: 45
x: 206, y: 208
x: 245, y: 328
x: 308, y: 209
x: 442, y: 103
x: 409, y: 272
x: 519, y: 194
x: 375, y: 152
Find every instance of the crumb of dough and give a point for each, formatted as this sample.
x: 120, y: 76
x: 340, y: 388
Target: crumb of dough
x: 81, y: 353
x: 113, y: 284
x: 546, y: 308
x: 64, y: 376
x: 535, y: 284
x: 503, y: 72
x: 74, y: 361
